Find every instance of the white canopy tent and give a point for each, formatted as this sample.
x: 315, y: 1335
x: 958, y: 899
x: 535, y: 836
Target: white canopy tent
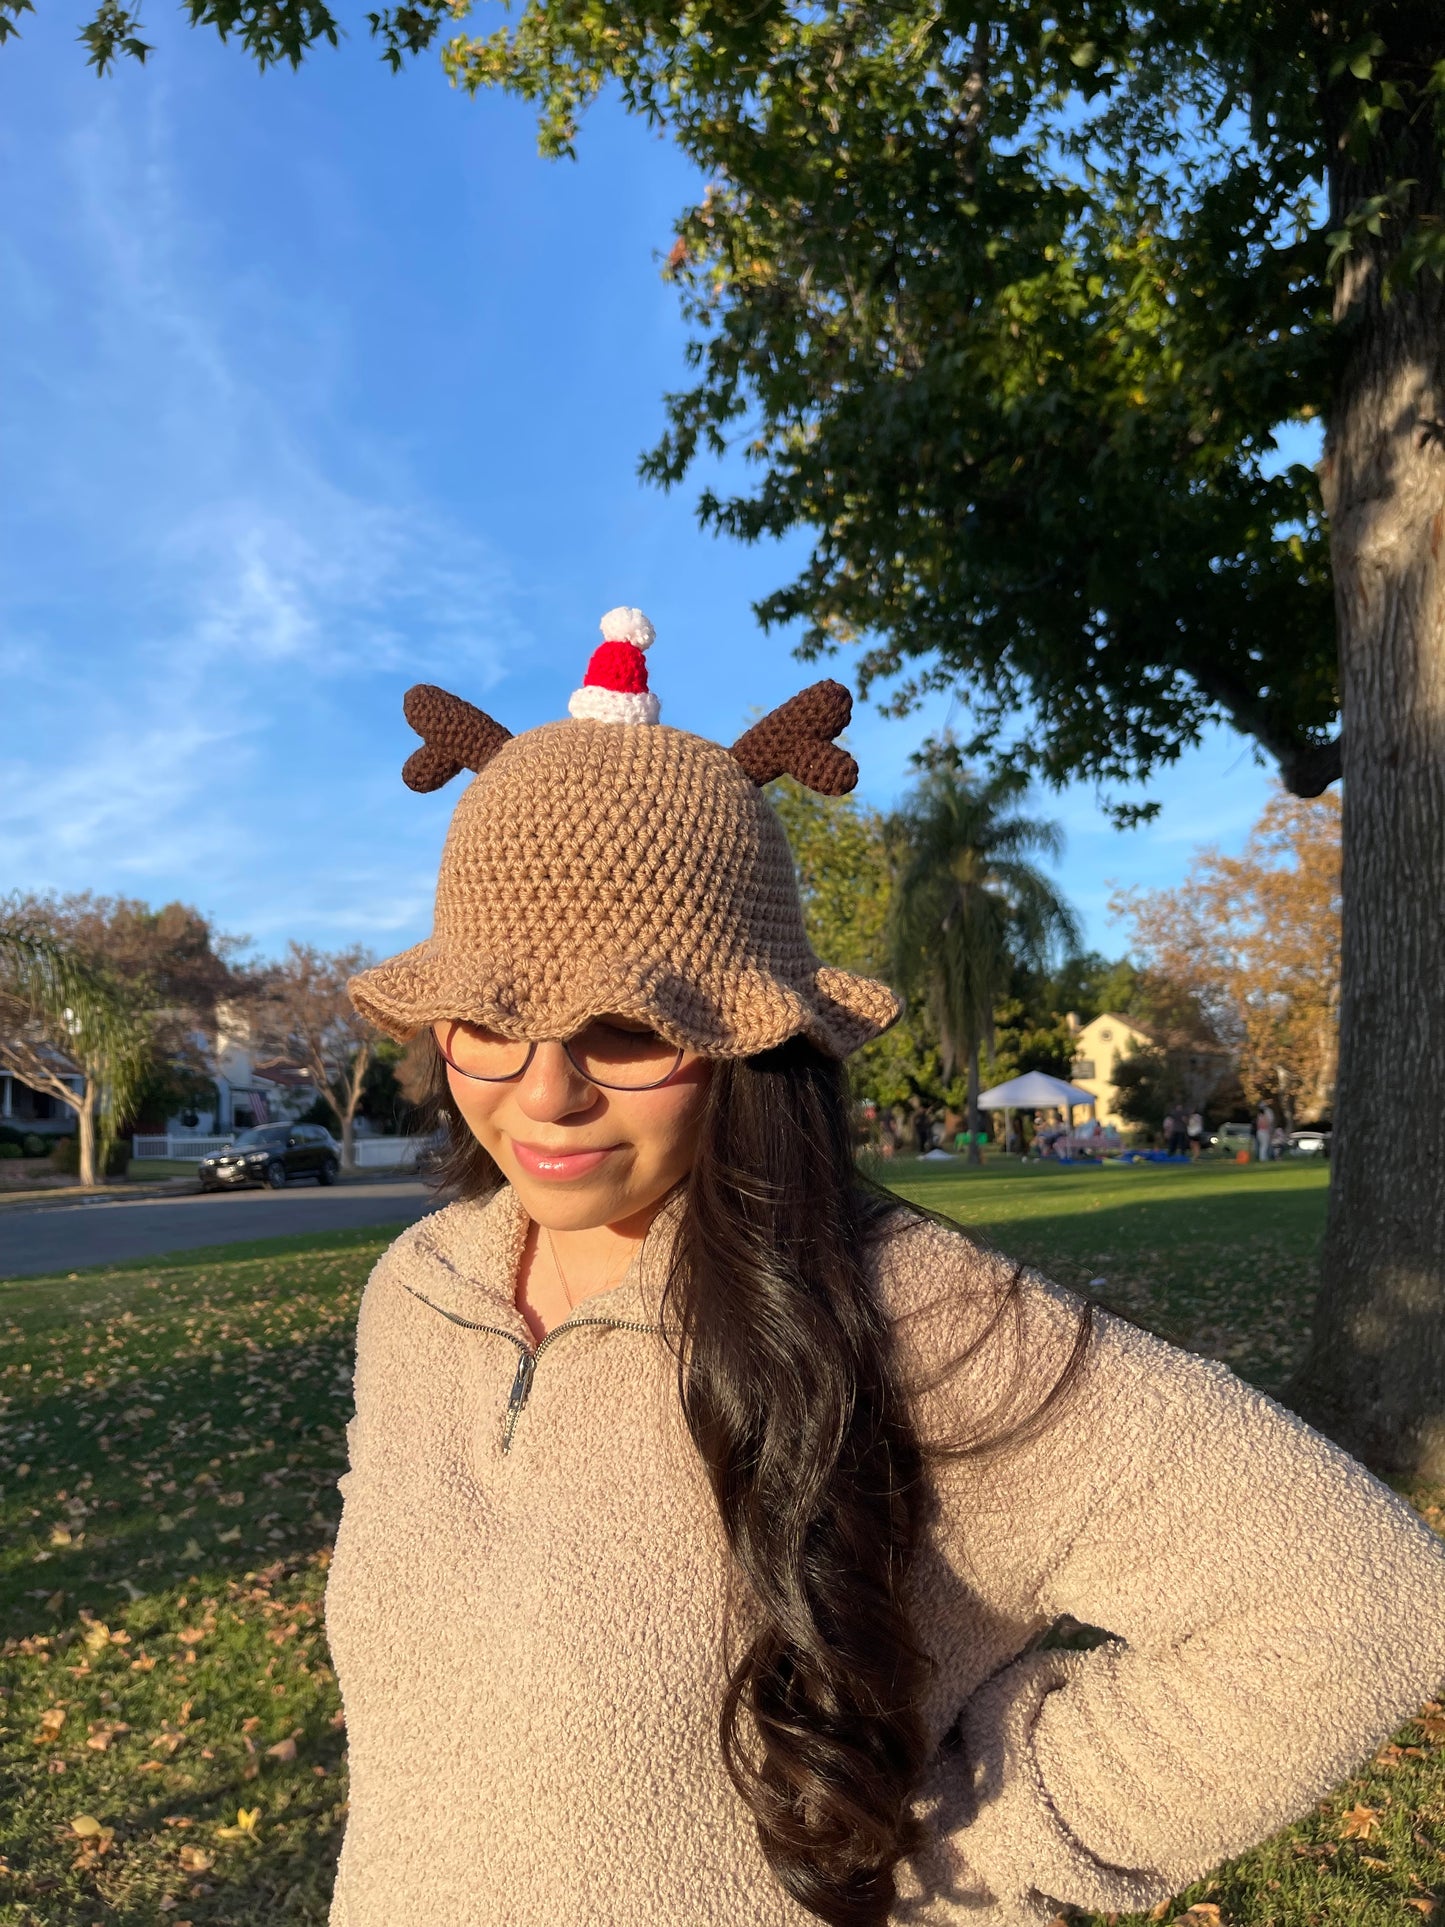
x: 1036, y: 1091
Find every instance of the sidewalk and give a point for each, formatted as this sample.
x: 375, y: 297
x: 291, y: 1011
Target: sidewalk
x: 123, y: 1190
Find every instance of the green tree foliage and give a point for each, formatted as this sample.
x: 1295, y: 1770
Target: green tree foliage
x: 60, y: 1014
x: 1004, y: 303
x: 967, y: 905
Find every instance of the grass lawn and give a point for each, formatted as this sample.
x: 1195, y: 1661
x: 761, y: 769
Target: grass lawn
x: 170, y: 1436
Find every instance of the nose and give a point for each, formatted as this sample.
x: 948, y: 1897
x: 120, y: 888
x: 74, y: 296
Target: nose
x: 552, y: 1087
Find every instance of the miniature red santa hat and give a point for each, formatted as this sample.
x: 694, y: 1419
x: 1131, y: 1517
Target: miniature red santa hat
x: 615, y: 690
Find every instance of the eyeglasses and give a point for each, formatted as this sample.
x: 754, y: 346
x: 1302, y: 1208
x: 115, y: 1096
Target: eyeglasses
x: 606, y: 1052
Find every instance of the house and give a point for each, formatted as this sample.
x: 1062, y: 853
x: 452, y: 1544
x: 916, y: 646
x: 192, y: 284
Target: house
x: 1098, y: 1047
x: 1109, y: 1038
x: 247, y: 1092
x: 36, y: 1112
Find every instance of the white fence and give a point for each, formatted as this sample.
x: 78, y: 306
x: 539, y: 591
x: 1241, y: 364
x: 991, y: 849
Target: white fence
x: 372, y: 1153
x: 391, y: 1153
x: 191, y: 1149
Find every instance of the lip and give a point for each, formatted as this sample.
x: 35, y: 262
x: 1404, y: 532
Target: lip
x: 556, y: 1166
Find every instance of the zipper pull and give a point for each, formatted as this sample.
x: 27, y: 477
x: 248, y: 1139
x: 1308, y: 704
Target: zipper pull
x: 521, y: 1386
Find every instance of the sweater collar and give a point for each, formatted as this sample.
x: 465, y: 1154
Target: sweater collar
x: 464, y: 1260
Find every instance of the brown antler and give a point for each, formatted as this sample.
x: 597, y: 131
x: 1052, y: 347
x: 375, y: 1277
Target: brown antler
x: 455, y: 736
x: 797, y: 740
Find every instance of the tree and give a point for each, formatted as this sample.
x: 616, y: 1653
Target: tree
x: 966, y: 904
x: 283, y: 30
x: 1005, y: 304
x: 61, y: 1018
x: 1255, y: 939
x: 304, y: 1012
x: 840, y: 852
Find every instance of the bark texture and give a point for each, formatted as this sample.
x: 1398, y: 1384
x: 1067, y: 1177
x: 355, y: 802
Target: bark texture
x: 1374, y: 1376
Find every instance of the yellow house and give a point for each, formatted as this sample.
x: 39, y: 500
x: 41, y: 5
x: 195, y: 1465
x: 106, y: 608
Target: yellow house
x: 1098, y: 1046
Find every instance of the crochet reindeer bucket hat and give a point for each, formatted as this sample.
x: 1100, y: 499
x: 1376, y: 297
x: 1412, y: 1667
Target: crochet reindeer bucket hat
x: 613, y: 865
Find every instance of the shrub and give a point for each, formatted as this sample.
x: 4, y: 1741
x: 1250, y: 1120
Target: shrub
x: 65, y: 1155
x: 33, y: 1146
x: 9, y: 1150
x: 117, y: 1161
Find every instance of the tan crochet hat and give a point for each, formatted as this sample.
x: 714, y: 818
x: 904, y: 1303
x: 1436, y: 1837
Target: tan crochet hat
x: 614, y: 864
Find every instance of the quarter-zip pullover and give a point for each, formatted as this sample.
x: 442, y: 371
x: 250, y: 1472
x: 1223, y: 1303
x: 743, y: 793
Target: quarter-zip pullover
x: 526, y: 1600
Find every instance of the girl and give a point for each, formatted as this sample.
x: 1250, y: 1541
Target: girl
x: 708, y: 1510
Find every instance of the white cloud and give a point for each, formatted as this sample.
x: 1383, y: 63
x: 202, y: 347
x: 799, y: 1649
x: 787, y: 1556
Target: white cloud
x: 210, y: 561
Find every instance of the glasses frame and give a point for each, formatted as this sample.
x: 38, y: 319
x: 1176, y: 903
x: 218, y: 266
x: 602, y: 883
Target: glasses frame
x: 454, y: 1024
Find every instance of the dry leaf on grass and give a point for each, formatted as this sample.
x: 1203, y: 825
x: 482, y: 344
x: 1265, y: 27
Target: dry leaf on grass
x: 1423, y: 1904
x: 1203, y: 1913
x: 197, y: 1860
x: 50, y: 1725
x: 1360, y: 1823
x: 282, y: 1750
x: 245, y: 1827
x: 102, y: 1732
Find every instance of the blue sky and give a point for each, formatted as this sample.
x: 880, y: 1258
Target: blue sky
x: 319, y: 384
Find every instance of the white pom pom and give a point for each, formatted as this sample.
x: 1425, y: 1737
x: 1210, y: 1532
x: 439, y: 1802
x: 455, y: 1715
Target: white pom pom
x: 628, y: 625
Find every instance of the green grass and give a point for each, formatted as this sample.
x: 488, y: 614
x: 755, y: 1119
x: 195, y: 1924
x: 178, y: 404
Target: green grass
x: 170, y: 1435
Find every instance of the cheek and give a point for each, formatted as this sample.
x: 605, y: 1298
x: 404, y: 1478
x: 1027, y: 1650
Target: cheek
x: 666, y: 1129
x: 477, y: 1104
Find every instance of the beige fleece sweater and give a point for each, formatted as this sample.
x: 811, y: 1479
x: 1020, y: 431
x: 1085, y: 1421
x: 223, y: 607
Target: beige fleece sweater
x: 527, y: 1591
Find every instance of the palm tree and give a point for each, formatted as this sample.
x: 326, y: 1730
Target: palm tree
x: 967, y: 906
x: 56, y: 1009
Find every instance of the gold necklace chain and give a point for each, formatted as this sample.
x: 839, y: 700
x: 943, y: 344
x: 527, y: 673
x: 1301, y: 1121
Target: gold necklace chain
x: 557, y: 1267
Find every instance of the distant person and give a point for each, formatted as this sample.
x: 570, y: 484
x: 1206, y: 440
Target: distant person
x: 1170, y: 1133
x: 1278, y: 1141
x: 922, y: 1131
x: 1196, y: 1135
x: 1264, y: 1132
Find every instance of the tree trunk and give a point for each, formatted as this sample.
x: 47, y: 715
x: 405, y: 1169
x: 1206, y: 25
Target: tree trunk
x: 1374, y: 1375
x: 85, y: 1136
x: 975, y: 1156
x: 355, y: 1081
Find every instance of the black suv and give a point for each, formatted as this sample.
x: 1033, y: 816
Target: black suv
x: 272, y: 1154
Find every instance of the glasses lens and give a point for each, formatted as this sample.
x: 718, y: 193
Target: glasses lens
x: 611, y: 1051
x: 478, y: 1052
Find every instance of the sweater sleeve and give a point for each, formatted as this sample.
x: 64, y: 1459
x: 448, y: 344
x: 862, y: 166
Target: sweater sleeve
x: 1274, y: 1613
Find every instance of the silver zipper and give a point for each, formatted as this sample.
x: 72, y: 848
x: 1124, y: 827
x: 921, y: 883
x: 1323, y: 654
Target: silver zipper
x: 527, y: 1364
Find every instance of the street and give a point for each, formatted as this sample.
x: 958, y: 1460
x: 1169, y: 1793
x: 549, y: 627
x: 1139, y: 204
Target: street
x: 48, y: 1238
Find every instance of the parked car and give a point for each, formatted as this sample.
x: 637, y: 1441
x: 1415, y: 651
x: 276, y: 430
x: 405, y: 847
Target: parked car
x: 1233, y: 1137
x: 1311, y: 1141
x: 273, y: 1154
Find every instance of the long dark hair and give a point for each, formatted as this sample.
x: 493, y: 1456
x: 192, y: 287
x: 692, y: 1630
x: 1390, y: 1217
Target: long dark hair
x: 788, y: 1381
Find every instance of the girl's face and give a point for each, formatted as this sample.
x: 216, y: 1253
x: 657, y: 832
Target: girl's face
x: 579, y: 1155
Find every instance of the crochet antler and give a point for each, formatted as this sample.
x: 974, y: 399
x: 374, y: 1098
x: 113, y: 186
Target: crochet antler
x: 455, y: 736
x: 796, y: 739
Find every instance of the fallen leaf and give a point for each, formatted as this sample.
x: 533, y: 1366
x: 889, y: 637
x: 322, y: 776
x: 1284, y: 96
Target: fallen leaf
x: 1360, y: 1823
x: 1203, y: 1913
x: 86, y: 1825
x: 1433, y: 1727
x: 245, y: 1827
x: 102, y: 1732
x: 228, y: 1538
x: 197, y: 1860
x: 1368, y: 1860
x: 50, y: 1725
x: 1422, y: 1904
x: 191, y: 1635
x: 282, y: 1750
